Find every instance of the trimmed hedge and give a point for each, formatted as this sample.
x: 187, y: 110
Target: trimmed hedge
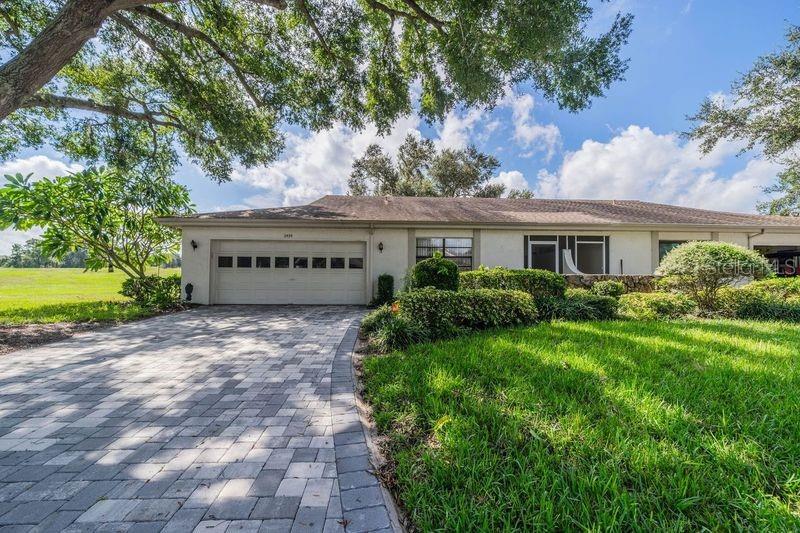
x: 756, y: 302
x: 608, y: 287
x: 443, y: 313
x: 537, y: 283
x: 436, y: 272
x: 154, y: 291
x: 385, y: 290
x: 780, y: 287
x: 655, y: 305
x: 579, y: 304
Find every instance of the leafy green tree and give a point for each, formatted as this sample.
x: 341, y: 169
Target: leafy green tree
x: 763, y: 110
x: 108, y: 213
x: 422, y: 171
x: 135, y: 83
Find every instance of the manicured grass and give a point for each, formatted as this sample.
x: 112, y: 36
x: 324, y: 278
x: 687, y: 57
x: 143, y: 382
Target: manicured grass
x: 606, y: 425
x: 44, y: 295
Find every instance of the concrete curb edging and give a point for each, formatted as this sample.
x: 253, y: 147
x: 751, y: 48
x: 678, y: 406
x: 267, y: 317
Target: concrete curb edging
x: 348, y: 345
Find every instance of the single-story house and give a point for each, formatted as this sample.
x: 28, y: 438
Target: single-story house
x: 331, y: 251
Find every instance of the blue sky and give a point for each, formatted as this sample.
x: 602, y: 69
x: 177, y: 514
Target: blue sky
x: 627, y: 145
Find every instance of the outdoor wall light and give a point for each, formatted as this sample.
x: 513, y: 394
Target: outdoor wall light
x: 194, y: 245
x: 189, y: 290
x: 380, y: 247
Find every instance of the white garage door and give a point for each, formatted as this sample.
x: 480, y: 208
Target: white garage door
x: 289, y: 272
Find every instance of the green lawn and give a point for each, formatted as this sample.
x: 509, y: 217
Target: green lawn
x: 606, y: 425
x: 44, y: 295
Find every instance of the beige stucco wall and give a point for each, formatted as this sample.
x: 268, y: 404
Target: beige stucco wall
x: 776, y: 239
x: 638, y: 250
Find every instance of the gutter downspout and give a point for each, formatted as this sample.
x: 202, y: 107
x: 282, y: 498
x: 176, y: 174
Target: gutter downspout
x: 750, y: 236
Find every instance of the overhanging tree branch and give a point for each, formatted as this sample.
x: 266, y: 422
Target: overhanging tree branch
x: 52, y: 101
x: 392, y: 12
x: 301, y: 4
x: 191, y: 33
x: 424, y: 15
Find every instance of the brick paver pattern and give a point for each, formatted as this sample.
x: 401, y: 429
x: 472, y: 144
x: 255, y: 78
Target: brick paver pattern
x: 214, y: 419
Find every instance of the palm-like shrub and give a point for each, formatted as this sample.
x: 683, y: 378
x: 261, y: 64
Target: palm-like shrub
x: 699, y: 269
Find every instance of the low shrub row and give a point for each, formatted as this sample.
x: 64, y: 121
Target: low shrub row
x: 430, y: 314
x: 538, y: 283
x: 444, y: 313
x: 773, y: 299
x: 578, y: 304
x: 655, y: 305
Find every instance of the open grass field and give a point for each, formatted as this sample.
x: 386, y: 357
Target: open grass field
x: 45, y: 295
x: 642, y: 426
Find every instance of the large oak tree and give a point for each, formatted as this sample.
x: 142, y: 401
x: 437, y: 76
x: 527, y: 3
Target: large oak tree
x: 763, y: 111
x: 138, y: 83
x: 421, y: 170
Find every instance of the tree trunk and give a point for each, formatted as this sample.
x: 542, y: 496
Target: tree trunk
x: 21, y: 77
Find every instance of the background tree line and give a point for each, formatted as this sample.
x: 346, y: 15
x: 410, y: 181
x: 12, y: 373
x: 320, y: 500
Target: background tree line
x: 32, y: 254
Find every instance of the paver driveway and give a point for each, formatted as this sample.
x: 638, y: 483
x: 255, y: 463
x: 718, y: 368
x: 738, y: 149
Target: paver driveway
x: 227, y: 418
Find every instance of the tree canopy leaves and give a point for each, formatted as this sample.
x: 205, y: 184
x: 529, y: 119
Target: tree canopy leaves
x: 217, y: 80
x: 421, y: 170
x: 763, y: 110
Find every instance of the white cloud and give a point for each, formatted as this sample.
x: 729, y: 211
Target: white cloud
x: 41, y: 166
x: 456, y: 130
x: 512, y: 179
x: 640, y: 164
x: 8, y: 238
x: 318, y: 164
x: 527, y: 132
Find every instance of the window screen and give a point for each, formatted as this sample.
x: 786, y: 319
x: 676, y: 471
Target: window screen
x: 458, y: 250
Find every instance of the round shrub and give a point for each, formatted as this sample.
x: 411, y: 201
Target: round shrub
x: 655, y: 305
x: 154, y: 291
x: 436, y: 272
x: 374, y: 320
x: 700, y: 269
x: 537, y: 283
x: 397, y: 333
x: 608, y: 287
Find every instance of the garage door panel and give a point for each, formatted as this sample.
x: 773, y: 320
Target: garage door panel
x: 272, y: 285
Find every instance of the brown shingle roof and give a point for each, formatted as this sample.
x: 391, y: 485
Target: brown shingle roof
x: 499, y: 211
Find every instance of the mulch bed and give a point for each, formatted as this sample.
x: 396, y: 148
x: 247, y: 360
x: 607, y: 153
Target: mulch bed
x: 14, y: 338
